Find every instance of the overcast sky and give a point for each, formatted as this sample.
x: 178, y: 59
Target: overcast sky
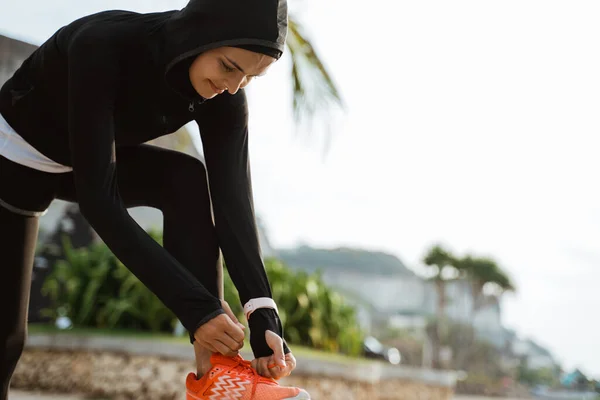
x: 473, y: 123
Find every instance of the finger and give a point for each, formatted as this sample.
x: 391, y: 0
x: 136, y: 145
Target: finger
x: 290, y: 361
x: 232, y: 336
x: 235, y: 332
x: 275, y: 342
x: 288, y: 370
x: 230, y: 314
x: 263, y: 369
x: 278, y: 372
x: 272, y: 363
x: 225, y: 350
x: 229, y: 342
x: 209, y: 346
x: 254, y: 364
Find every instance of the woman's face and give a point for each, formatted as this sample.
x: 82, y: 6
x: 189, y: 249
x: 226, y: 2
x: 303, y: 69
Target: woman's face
x: 226, y: 68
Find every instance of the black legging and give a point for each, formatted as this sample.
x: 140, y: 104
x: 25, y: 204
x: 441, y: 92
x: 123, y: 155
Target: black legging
x: 149, y: 176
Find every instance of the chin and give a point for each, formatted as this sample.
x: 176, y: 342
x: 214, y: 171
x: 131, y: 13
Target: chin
x: 207, y: 93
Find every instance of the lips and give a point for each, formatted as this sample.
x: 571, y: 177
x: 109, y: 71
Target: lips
x: 216, y: 89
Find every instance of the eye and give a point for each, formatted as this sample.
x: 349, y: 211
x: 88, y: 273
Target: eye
x: 226, y: 67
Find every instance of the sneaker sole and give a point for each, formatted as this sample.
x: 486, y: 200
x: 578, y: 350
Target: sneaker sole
x: 303, y: 395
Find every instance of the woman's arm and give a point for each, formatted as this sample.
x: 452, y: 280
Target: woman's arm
x: 93, y: 61
x: 223, y: 123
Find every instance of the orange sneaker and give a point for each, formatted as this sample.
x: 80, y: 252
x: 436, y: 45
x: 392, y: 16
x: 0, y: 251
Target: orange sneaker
x: 235, y: 379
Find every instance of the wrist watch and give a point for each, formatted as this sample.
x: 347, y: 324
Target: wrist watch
x: 259, y: 302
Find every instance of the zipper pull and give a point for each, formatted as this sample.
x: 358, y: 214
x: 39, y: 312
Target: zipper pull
x: 191, y: 106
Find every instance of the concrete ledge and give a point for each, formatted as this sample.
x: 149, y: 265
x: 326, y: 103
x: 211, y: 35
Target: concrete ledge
x: 141, y: 347
x: 365, y: 372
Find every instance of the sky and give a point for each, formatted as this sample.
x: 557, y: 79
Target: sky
x: 469, y: 123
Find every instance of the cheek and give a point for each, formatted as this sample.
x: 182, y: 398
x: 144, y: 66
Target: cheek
x: 201, y: 70
x: 195, y: 75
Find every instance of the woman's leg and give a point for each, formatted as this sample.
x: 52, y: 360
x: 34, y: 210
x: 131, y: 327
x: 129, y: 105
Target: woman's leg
x: 18, y: 237
x: 176, y: 184
x: 24, y: 195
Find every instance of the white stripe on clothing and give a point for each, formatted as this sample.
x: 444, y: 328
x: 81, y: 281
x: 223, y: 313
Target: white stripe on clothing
x: 16, y: 149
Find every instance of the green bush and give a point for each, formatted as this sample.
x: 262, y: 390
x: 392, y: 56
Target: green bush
x: 94, y: 289
x: 312, y: 314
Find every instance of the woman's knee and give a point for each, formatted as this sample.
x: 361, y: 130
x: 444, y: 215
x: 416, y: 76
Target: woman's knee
x: 188, y: 181
x: 13, y: 344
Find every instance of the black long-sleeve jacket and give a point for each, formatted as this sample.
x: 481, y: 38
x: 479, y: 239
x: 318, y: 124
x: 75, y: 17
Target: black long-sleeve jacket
x: 113, y: 79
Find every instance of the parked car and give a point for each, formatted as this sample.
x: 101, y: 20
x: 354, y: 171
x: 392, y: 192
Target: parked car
x: 373, y: 348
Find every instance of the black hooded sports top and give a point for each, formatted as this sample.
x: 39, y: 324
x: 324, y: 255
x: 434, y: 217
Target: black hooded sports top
x: 116, y: 78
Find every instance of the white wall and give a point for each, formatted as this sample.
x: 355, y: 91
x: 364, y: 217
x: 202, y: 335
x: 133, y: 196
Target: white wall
x: 384, y: 293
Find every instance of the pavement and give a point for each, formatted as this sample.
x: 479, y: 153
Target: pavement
x: 20, y: 395
x: 482, y: 398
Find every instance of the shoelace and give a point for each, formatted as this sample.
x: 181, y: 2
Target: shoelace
x: 244, y: 367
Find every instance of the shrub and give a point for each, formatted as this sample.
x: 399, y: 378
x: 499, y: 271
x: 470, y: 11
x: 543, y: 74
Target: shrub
x: 94, y: 289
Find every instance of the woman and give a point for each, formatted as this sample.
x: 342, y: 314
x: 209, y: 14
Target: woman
x: 74, y: 118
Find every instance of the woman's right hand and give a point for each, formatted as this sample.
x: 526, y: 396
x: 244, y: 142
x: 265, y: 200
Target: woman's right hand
x: 222, y: 334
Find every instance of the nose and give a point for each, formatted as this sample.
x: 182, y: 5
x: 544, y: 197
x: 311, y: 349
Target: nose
x: 233, y: 84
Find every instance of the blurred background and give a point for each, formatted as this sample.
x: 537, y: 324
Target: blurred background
x: 424, y: 182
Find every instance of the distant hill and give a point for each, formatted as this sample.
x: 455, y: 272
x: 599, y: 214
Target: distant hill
x: 344, y: 259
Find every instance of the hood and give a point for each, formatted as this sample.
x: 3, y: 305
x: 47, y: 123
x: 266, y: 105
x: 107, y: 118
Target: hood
x: 207, y: 24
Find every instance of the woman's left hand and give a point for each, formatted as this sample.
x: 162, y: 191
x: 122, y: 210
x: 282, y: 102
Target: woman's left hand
x: 278, y: 365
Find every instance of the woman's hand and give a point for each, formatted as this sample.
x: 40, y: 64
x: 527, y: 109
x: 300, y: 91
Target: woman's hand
x: 223, y: 334
x: 278, y: 365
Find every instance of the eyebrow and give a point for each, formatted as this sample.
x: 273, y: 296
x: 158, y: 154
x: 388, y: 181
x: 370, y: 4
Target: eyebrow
x: 237, y: 66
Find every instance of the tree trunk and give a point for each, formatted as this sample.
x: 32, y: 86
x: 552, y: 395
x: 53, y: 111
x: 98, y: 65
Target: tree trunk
x: 467, y: 341
x: 439, y: 323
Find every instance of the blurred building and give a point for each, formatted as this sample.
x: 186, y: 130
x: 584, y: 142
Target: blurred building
x: 12, y: 53
x: 407, y: 301
x: 536, y: 356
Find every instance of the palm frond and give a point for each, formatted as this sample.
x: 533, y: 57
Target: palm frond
x: 314, y: 91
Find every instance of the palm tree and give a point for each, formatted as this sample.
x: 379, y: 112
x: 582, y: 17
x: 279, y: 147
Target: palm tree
x: 480, y: 272
x: 440, y: 260
x: 313, y: 86
x: 314, y: 91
